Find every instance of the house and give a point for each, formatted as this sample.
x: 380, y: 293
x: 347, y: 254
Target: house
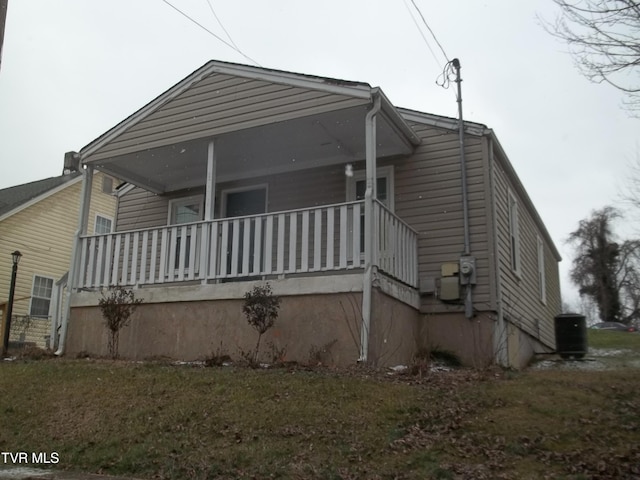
x: 39, y: 219
x: 352, y: 208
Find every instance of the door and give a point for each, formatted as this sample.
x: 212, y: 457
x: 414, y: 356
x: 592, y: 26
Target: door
x: 241, y: 203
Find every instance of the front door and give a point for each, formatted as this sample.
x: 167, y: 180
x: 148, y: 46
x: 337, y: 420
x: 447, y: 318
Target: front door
x: 241, y: 203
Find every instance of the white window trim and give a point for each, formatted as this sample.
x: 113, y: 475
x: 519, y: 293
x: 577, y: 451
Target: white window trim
x: 95, y: 222
x: 514, y: 234
x: 184, y: 201
x: 381, y: 172
x: 542, y: 280
x: 53, y: 286
x: 248, y: 188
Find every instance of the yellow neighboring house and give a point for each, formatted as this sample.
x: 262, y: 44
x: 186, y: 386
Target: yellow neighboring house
x: 40, y: 219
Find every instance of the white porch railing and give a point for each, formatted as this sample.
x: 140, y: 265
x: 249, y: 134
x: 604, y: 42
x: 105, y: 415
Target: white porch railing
x: 319, y: 239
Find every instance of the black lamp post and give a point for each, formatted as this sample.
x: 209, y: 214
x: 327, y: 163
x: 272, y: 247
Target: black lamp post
x: 7, y: 323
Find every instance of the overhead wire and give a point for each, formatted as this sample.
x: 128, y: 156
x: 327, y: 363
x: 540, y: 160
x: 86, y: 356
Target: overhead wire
x: 430, y: 31
x: 235, y: 48
x: 220, y: 23
x: 415, y: 22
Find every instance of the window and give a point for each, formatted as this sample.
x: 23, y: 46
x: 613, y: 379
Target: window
x: 542, y: 282
x: 356, y: 188
x: 41, y: 296
x: 514, y: 233
x: 357, y: 185
x: 103, y: 225
x: 185, y: 210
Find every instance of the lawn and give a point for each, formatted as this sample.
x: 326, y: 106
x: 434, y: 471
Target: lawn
x: 157, y: 421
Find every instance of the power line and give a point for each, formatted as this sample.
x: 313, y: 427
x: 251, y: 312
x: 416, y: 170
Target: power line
x: 220, y: 23
x: 430, y: 31
x: 415, y: 22
x: 211, y: 33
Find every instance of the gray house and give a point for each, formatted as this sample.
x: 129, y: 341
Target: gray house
x: 350, y: 207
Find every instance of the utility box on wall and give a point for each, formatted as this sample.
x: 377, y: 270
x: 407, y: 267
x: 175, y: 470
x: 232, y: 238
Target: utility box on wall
x: 449, y: 282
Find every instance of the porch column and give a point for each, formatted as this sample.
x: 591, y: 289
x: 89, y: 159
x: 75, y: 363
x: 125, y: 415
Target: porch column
x: 210, y: 194
x: 83, y: 223
x: 209, y: 212
x: 370, y: 195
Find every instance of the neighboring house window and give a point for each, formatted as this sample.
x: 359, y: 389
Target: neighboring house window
x: 41, y: 296
x: 542, y: 282
x: 514, y: 233
x: 103, y: 225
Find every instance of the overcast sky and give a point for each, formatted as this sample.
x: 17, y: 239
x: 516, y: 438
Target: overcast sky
x: 72, y: 69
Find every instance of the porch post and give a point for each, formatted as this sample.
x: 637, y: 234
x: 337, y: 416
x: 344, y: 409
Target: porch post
x: 210, y: 195
x: 369, y: 226
x: 83, y: 222
x: 209, y: 212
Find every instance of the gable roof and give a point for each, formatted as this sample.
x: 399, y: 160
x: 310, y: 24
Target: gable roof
x: 19, y: 197
x: 350, y: 93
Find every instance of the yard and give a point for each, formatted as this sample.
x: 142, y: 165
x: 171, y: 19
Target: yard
x: 157, y: 420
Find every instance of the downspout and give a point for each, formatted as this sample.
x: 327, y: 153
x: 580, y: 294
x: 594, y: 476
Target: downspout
x: 369, y: 224
x: 83, y: 216
x: 500, y: 343
x: 468, y: 297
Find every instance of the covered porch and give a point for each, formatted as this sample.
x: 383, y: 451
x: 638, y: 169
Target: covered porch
x: 229, y: 124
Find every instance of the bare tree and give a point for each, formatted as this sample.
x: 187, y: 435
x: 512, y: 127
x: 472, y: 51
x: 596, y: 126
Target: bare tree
x: 604, y: 40
x: 596, y: 264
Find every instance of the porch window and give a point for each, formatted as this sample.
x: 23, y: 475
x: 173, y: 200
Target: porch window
x: 357, y: 186
x: 185, y: 210
x: 41, y: 296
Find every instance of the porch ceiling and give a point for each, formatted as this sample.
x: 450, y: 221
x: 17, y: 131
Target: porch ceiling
x: 323, y: 139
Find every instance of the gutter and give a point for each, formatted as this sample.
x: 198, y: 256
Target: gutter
x: 85, y: 198
x: 369, y: 224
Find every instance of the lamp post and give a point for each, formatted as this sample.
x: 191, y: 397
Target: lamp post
x: 7, y: 322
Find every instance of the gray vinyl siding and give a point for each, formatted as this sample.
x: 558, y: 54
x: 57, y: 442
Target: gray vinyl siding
x: 428, y: 197
x: 305, y: 188
x: 520, y: 293
x: 221, y: 103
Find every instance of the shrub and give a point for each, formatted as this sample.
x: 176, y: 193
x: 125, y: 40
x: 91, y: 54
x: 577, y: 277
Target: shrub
x: 261, y: 309
x: 117, y: 308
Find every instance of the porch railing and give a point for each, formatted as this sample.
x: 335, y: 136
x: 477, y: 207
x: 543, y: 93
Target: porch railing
x: 319, y: 239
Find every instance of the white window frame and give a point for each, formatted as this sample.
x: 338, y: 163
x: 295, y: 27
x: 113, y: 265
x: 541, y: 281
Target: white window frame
x: 514, y: 234
x: 381, y: 172
x: 33, y: 282
x: 95, y: 223
x: 542, y: 280
x: 184, y: 201
x: 173, y: 203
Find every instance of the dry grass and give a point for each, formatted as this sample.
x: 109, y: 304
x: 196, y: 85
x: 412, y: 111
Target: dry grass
x: 161, y: 421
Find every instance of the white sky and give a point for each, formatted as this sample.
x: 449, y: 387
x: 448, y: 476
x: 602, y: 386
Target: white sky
x: 72, y: 69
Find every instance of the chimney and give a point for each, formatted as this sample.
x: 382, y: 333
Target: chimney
x: 71, y: 163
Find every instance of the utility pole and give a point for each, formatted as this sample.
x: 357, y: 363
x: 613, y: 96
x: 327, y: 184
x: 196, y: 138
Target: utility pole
x: 467, y: 262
